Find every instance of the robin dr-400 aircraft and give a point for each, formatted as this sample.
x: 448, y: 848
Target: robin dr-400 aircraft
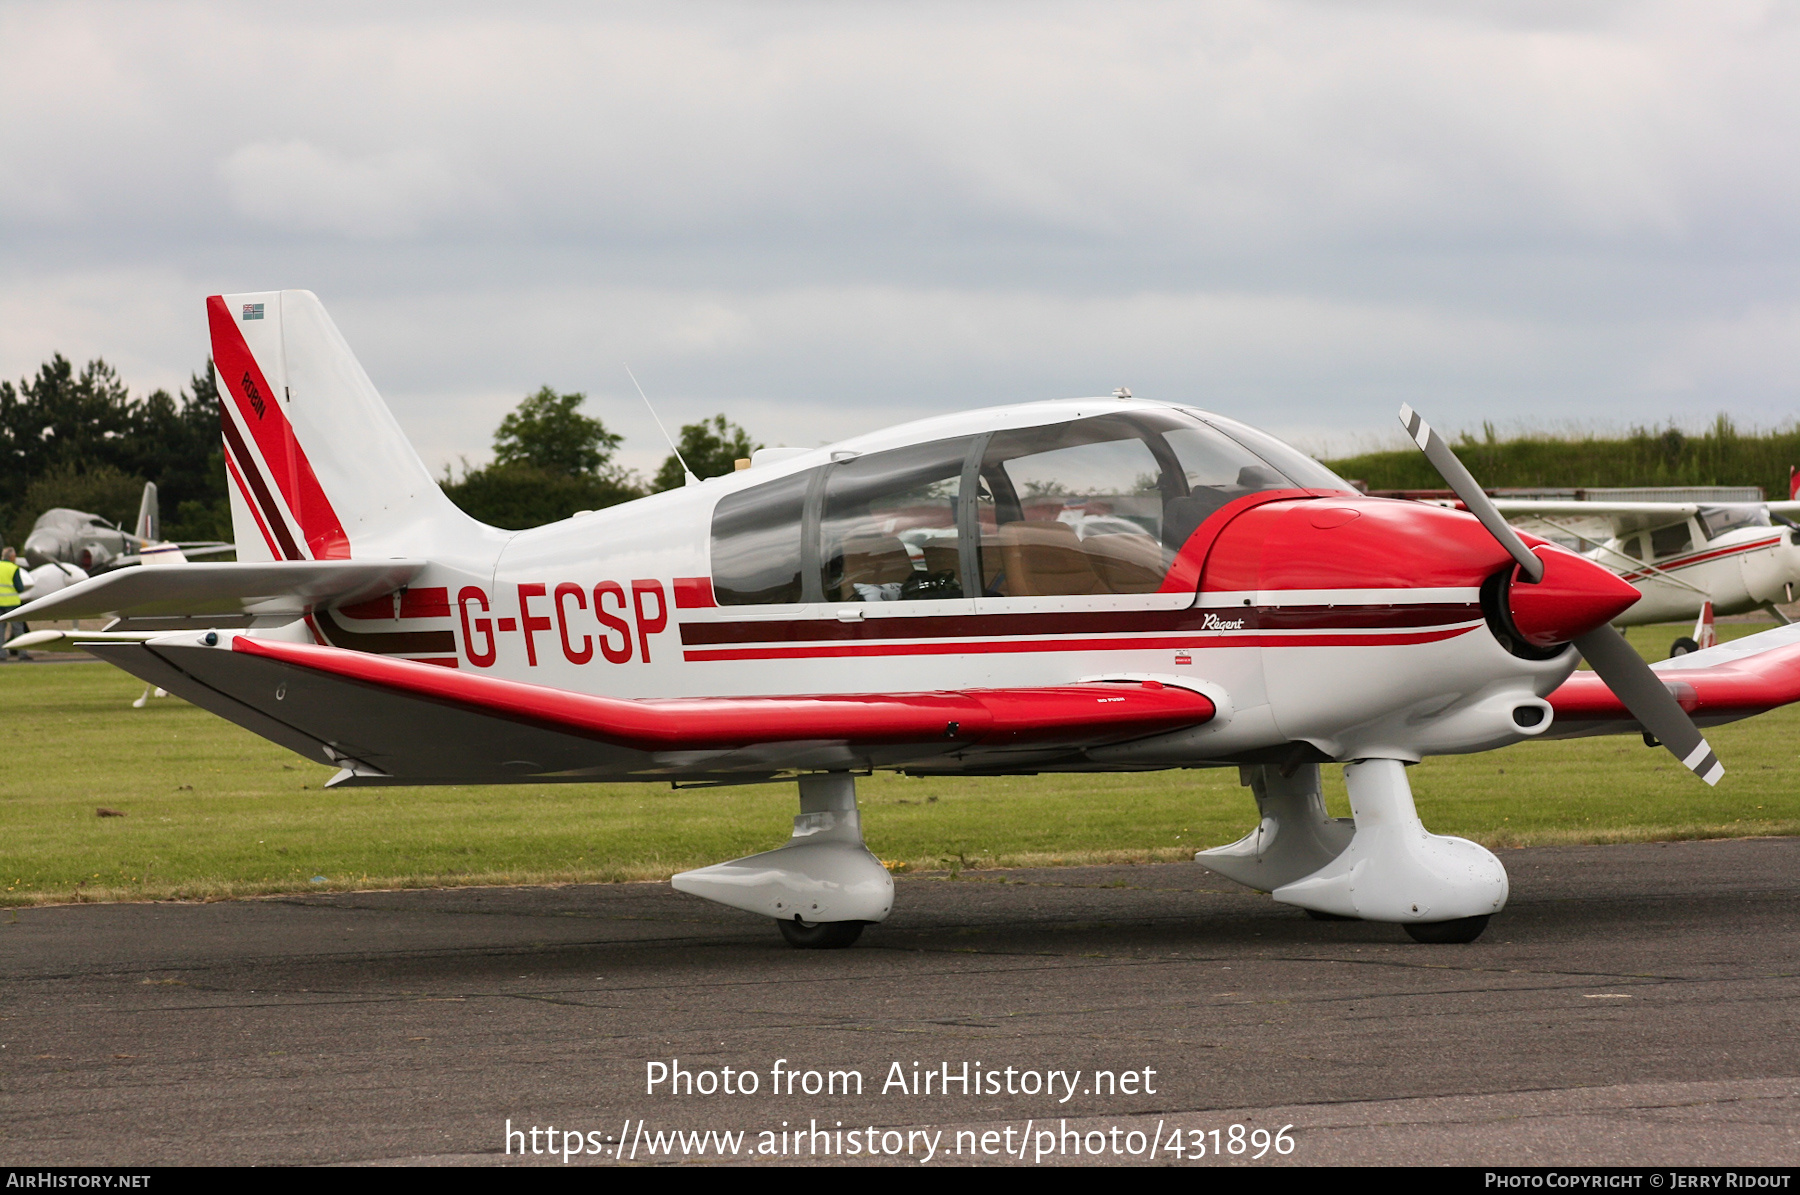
x: 1089, y: 585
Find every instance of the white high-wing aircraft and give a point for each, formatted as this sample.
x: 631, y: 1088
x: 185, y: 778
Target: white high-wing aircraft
x: 1681, y: 555
x: 1088, y: 585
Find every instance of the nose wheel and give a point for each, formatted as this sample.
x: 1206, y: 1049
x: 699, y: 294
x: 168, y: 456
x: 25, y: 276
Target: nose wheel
x: 1440, y: 933
x: 823, y: 935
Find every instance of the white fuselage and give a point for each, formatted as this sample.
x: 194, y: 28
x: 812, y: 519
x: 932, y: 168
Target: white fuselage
x: 619, y: 603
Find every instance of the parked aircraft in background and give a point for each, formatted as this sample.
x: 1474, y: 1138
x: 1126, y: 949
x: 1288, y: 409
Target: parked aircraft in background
x: 77, y: 539
x: 1739, y: 556
x: 1089, y: 585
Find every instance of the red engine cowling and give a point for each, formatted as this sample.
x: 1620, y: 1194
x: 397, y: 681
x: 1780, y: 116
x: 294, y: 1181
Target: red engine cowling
x: 1380, y: 543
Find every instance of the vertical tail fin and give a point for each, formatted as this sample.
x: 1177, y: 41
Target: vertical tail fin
x: 149, y: 523
x: 1706, y: 633
x: 318, y: 467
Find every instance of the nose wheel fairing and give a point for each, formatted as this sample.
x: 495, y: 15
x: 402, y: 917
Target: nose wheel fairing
x: 1388, y: 868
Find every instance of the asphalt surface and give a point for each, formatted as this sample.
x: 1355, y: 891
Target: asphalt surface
x: 1634, y: 1004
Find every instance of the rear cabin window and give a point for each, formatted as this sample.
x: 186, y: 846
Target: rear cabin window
x: 756, y: 543
x: 888, y: 525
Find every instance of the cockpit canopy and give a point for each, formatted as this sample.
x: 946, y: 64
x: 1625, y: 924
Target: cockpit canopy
x: 1088, y: 506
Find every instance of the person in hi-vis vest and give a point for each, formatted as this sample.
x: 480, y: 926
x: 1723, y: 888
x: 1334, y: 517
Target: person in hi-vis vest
x: 12, y: 581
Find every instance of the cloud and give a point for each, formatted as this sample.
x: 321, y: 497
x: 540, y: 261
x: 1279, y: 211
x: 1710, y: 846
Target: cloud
x: 295, y: 186
x: 833, y: 216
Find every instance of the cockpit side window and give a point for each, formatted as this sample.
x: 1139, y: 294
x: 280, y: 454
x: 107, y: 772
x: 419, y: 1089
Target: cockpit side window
x: 1075, y: 508
x: 888, y: 525
x: 757, y: 543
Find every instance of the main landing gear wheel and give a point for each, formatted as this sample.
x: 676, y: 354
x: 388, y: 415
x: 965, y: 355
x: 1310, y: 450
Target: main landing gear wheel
x: 1463, y: 929
x: 1682, y: 647
x: 827, y: 935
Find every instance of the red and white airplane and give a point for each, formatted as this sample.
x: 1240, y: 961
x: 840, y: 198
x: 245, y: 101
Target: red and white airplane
x: 1089, y: 585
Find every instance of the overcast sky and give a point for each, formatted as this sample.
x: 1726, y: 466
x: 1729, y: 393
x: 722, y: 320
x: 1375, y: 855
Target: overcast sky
x: 821, y: 218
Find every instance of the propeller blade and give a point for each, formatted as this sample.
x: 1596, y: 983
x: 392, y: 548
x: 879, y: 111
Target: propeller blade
x: 1605, y: 650
x: 1649, y: 700
x: 1463, y: 483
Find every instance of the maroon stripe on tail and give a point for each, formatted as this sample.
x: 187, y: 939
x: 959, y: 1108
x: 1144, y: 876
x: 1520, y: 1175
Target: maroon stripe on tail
x: 234, y: 440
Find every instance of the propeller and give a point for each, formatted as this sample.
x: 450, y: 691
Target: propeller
x: 1612, y: 659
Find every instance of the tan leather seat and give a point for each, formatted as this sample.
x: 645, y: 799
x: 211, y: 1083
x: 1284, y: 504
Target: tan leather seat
x: 1042, y: 558
x: 942, y: 556
x: 872, y: 560
x: 1126, y: 563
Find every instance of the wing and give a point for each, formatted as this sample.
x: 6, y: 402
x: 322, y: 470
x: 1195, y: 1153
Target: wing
x: 282, y: 587
x: 1625, y: 517
x: 396, y: 721
x: 1734, y: 680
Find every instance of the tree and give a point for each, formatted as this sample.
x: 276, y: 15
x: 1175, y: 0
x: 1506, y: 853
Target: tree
x: 550, y: 461
x: 711, y: 448
x: 60, y: 426
x: 515, y: 497
x: 60, y: 419
x: 547, y: 432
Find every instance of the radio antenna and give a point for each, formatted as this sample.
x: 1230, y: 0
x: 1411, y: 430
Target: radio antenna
x: 682, y: 461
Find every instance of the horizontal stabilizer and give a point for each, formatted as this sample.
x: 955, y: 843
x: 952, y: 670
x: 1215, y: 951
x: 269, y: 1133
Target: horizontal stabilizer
x: 417, y: 723
x: 74, y: 640
x: 282, y: 587
x: 1734, y: 680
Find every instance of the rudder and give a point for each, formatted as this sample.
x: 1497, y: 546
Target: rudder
x: 319, y: 469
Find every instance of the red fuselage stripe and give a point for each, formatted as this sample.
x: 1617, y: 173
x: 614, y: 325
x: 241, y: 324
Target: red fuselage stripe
x: 1701, y: 558
x: 1085, y: 622
x: 1183, y: 643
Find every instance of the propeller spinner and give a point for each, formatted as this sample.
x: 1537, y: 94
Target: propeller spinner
x: 1573, y: 608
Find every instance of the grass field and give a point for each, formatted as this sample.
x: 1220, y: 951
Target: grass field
x: 212, y: 811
